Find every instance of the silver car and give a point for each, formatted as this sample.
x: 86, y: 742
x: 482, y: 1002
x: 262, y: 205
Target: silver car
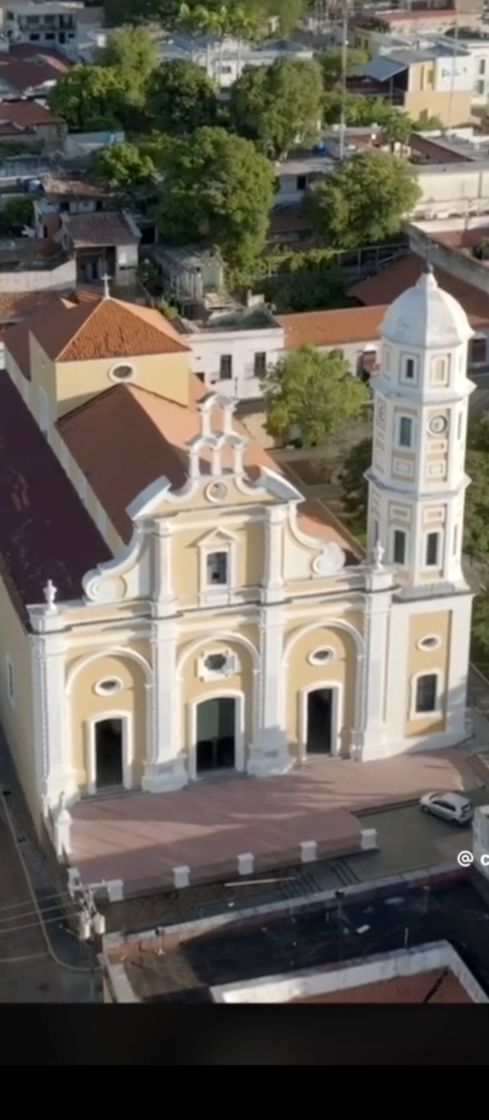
x: 449, y: 806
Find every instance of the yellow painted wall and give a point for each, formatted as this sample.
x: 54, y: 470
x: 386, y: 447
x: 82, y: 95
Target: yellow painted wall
x: 163, y: 374
x: 301, y: 674
x: 18, y: 719
x: 451, y: 109
x: 424, y: 625
x: 84, y: 704
x: 249, y: 554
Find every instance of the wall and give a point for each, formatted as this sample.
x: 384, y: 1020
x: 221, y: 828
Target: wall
x: 301, y: 674
x: 163, y: 374
x: 453, y: 190
x: 18, y: 719
x: 61, y: 278
x: 451, y: 260
x: 208, y: 347
x: 451, y: 109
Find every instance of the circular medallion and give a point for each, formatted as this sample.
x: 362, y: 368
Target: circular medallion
x: 216, y: 492
x: 438, y: 425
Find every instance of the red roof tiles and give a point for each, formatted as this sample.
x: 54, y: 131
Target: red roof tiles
x: 45, y: 531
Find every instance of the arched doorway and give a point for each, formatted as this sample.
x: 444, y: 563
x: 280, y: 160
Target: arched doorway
x: 215, y: 739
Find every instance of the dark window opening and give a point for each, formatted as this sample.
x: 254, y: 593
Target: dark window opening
x: 426, y: 693
x: 432, y: 547
x: 319, y: 718
x: 108, y: 753
x: 217, y: 567
x: 215, y: 662
x: 226, y: 367
x: 260, y: 365
x: 216, y: 734
x: 399, y: 546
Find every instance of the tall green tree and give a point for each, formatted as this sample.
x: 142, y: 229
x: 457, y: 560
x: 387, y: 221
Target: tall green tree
x: 364, y: 201
x: 331, y: 63
x: 181, y: 98
x: 363, y: 111
x: 314, y: 393
x: 217, y: 188
x: 353, y: 481
x: 118, y: 12
x: 278, y: 105
x: 93, y: 98
x: 132, y: 50
x: 123, y: 167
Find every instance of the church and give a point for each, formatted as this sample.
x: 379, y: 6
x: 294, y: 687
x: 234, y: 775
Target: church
x: 172, y: 609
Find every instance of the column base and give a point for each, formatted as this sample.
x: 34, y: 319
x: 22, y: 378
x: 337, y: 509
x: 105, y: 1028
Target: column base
x: 57, y: 785
x: 165, y: 777
x: 369, y: 746
x: 269, y: 756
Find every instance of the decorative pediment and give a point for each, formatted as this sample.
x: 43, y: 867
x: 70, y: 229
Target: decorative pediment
x: 217, y: 538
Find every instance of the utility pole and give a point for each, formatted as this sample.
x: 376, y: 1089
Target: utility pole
x: 344, y: 64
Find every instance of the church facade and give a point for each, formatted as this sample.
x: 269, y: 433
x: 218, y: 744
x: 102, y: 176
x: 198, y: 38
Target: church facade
x: 169, y: 605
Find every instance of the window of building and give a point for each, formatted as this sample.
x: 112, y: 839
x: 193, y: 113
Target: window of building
x: 10, y: 681
x: 121, y: 373
x: 217, y: 568
x: 215, y: 666
x: 405, y: 431
x: 482, y: 66
x: 439, y: 371
x: 226, y: 367
x: 215, y: 662
x: 321, y: 656
x: 260, y: 365
x: 409, y: 369
x: 427, y: 692
x: 480, y: 87
x: 477, y: 353
x: 109, y: 686
x: 432, y: 550
x: 301, y: 182
x: 431, y: 641
x: 399, y: 549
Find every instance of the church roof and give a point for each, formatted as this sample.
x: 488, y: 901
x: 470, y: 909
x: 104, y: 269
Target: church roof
x: 87, y: 328
x: 425, y: 316
x: 45, y: 531
x: 147, y: 436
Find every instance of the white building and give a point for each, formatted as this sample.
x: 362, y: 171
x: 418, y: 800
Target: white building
x: 233, y: 353
x: 224, y: 61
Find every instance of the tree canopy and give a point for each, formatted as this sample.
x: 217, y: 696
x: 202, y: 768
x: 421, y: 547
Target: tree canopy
x: 181, y: 98
x: 278, y: 105
x: 15, y: 215
x: 123, y: 167
x: 331, y: 64
x: 93, y: 98
x: 362, y: 111
x: 131, y: 49
x: 217, y: 188
x: 364, y: 201
x: 314, y: 393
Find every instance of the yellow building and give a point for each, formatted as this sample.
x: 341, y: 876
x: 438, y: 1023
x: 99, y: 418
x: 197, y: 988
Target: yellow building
x: 170, y: 606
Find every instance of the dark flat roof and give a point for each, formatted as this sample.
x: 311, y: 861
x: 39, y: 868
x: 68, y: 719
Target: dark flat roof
x: 45, y: 530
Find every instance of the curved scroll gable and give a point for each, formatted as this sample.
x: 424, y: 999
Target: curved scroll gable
x: 149, y: 501
x: 330, y: 558
x: 127, y: 576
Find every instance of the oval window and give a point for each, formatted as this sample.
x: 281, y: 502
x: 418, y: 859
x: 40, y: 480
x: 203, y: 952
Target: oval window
x: 122, y: 373
x: 109, y: 686
x: 321, y: 656
x: 431, y: 641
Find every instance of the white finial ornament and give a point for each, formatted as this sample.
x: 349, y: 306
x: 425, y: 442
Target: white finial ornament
x: 50, y: 593
x: 106, y: 280
x: 378, y: 553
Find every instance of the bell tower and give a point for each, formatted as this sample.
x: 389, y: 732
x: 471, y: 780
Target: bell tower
x: 417, y: 479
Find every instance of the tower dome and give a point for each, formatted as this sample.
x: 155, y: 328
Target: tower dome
x: 426, y: 317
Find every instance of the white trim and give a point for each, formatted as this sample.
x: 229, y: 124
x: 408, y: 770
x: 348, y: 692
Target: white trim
x: 313, y: 659
x: 112, y: 651
x: 101, y: 691
x: 239, y: 729
x: 436, y: 712
x: 336, y: 688
x: 325, y: 624
x: 122, y: 380
x: 127, y: 722
x: 10, y: 680
x: 434, y: 638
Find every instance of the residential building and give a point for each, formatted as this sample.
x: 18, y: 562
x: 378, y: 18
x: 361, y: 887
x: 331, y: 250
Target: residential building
x: 354, y: 331
x: 47, y: 24
x: 435, y: 79
x: 233, y: 352
x: 29, y: 264
x: 30, y: 72
x: 172, y: 609
x: 452, y: 189
x: 102, y: 242
x: 225, y: 60
x: 190, y: 274
x: 29, y: 123
x: 370, y: 27
x: 60, y: 194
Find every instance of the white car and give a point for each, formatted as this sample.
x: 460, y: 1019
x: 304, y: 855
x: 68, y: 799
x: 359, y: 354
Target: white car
x: 450, y: 806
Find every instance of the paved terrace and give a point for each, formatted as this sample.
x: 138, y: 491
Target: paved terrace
x: 140, y: 838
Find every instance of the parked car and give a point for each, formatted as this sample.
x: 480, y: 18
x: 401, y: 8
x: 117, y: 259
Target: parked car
x: 449, y: 806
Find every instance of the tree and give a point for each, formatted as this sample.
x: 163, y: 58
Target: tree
x: 364, y: 201
x: 312, y: 392
x: 123, y: 167
x: 118, y: 12
x: 181, y: 98
x: 480, y: 625
x: 353, y: 482
x: 131, y: 50
x: 331, y: 64
x: 217, y: 188
x: 14, y: 216
x: 278, y: 105
x: 93, y: 98
x: 288, y: 12
x: 362, y: 111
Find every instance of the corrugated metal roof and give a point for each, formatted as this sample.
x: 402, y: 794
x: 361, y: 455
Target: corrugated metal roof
x: 381, y: 68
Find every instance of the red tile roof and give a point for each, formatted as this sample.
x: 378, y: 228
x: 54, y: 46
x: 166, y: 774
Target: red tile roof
x: 439, y: 985
x: 45, y: 531
x: 88, y: 327
x: 27, y: 114
x: 332, y: 328
x: 25, y: 68
x: 388, y: 284
x: 15, y: 306
x: 147, y: 435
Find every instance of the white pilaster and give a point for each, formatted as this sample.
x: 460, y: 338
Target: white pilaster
x: 55, y: 773
x: 458, y: 666
x: 269, y: 753
x: 163, y: 597
x: 274, y: 554
x: 369, y: 739
x: 165, y: 766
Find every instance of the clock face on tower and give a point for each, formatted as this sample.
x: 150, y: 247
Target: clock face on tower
x: 438, y: 425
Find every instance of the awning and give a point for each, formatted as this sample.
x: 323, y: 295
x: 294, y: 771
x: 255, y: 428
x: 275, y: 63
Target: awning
x: 383, y: 68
